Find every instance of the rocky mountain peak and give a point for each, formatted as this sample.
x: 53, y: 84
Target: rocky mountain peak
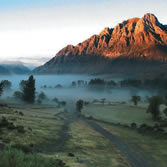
x: 150, y: 18
x: 138, y: 38
x: 107, y: 31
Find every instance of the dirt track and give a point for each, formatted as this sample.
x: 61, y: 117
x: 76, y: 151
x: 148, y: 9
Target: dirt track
x: 133, y: 157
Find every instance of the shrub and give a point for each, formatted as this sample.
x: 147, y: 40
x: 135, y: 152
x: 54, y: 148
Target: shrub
x: 21, y: 113
x: 21, y: 147
x: 15, y: 158
x: 11, y: 126
x: 18, y: 95
x: 135, y: 99
x: 56, y: 100
x: 20, y: 129
x: 6, y: 140
x: 133, y: 125
x: 62, y: 103
x: 4, y: 122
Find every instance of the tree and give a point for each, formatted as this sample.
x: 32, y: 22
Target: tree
x: 62, y: 103
x: 1, y: 88
x: 22, y: 85
x: 79, y: 105
x: 42, y: 96
x: 103, y: 100
x: 18, y: 95
x: 6, y: 84
x: 73, y: 84
x: 56, y: 100
x: 135, y: 99
x: 29, y: 90
x: 153, y: 108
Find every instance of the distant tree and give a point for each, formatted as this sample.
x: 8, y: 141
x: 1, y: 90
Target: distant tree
x: 22, y: 84
x: 97, y: 81
x: 18, y: 95
x: 153, y: 108
x: 62, y: 103
x: 73, y: 84
x: 111, y: 83
x: 135, y: 99
x: 39, y: 101
x: 55, y: 100
x: 6, y: 84
x: 131, y: 83
x: 103, y: 100
x: 58, y: 86
x: 80, y: 83
x: 29, y: 90
x: 79, y: 105
x: 42, y: 96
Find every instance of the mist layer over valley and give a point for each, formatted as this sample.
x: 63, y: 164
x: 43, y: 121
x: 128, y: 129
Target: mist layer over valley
x: 60, y: 86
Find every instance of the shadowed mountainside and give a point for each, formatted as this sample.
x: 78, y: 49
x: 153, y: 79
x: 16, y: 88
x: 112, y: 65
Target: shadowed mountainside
x: 133, y: 47
x: 7, y: 69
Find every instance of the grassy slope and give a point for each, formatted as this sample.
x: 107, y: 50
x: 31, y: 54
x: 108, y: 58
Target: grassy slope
x: 152, y: 144
x: 119, y: 113
x: 38, y: 129
x: 84, y: 141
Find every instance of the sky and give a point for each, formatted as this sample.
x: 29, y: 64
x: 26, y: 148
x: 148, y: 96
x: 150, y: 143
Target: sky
x: 33, y: 31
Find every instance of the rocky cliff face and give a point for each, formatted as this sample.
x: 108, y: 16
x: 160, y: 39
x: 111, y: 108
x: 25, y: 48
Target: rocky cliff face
x: 134, y: 45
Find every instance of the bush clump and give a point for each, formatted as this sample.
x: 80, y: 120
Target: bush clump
x: 20, y: 129
x: 16, y: 158
x: 4, y: 122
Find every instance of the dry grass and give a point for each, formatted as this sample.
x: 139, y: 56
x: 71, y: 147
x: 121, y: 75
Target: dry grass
x: 150, y: 145
x: 119, y: 113
x: 94, y: 149
x: 40, y: 125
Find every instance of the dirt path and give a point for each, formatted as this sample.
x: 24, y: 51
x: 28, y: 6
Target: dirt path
x: 134, y: 158
x: 59, y: 145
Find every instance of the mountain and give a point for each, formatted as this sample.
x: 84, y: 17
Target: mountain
x: 133, y: 47
x: 7, y: 69
x: 4, y: 71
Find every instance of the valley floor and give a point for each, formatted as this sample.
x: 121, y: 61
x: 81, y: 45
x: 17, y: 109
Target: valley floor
x: 79, y: 142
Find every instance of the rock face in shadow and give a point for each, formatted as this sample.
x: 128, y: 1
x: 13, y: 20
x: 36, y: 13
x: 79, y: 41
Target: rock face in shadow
x: 132, y: 47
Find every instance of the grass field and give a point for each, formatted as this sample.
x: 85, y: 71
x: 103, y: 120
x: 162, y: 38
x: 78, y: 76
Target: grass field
x: 89, y: 148
x: 93, y: 148
x: 150, y: 145
x: 119, y: 113
x: 38, y: 122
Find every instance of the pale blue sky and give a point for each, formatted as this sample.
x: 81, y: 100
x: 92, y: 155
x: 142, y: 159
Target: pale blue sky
x: 34, y: 30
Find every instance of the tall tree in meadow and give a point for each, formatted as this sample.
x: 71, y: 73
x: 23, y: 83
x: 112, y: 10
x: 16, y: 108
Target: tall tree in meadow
x: 79, y: 105
x: 153, y: 108
x: 1, y: 88
x: 29, y: 90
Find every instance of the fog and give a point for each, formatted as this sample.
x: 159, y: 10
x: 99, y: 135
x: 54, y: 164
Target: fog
x: 67, y: 92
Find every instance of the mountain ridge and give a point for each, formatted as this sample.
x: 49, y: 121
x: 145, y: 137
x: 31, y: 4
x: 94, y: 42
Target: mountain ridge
x: 19, y: 69
x: 137, y: 38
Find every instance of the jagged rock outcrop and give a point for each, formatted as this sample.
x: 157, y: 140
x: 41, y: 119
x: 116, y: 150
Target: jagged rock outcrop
x: 133, y: 46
